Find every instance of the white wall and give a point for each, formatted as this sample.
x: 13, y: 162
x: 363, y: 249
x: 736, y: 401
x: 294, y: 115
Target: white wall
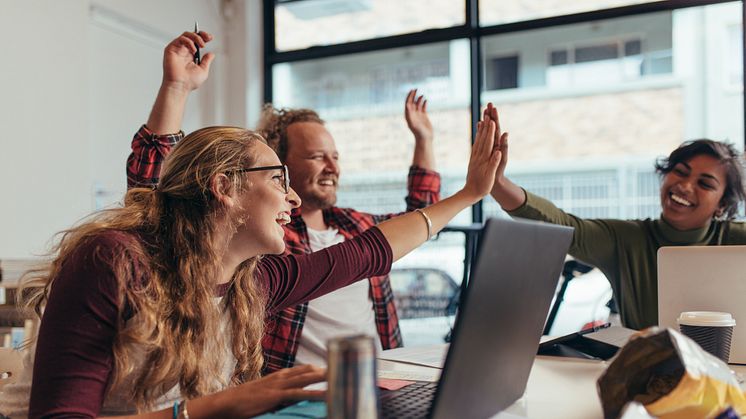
x: 77, y: 79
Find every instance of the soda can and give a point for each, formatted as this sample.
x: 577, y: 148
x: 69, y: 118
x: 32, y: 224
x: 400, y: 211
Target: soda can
x: 352, y: 391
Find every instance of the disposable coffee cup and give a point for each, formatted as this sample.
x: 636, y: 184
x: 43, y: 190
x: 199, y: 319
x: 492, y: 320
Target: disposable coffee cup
x: 712, y: 330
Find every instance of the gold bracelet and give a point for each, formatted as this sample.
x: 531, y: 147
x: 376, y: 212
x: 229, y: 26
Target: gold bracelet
x: 428, y: 222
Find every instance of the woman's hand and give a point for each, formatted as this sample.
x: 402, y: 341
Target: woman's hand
x: 179, y: 68
x: 486, y: 157
x: 267, y: 393
x: 181, y: 75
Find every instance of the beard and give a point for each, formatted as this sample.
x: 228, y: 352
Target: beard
x: 320, y: 201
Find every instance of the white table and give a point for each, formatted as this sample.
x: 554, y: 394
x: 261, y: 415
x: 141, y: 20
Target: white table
x: 557, y: 387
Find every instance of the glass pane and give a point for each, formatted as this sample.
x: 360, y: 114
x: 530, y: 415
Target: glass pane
x: 307, y: 23
x: 496, y: 12
x: 361, y: 98
x: 617, y: 112
x: 597, y: 103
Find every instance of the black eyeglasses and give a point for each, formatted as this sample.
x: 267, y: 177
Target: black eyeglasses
x: 285, y: 174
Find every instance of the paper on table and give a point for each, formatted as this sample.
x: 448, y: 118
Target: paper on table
x: 431, y: 375
x: 392, y: 384
x: 429, y: 356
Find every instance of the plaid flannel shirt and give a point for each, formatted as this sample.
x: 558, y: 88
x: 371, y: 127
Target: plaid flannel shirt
x: 283, y: 331
x: 148, y: 152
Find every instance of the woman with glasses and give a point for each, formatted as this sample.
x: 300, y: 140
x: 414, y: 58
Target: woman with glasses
x: 158, y: 308
x: 702, y: 186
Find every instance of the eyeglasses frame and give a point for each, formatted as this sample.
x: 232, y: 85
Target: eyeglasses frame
x: 284, y: 168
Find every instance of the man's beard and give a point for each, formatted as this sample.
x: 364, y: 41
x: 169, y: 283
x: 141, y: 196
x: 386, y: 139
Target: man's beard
x: 321, y: 202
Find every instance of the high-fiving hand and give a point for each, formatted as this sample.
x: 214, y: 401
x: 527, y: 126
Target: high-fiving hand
x: 486, y: 156
x: 501, y: 140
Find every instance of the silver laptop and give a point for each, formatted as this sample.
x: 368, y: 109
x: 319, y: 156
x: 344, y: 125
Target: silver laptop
x: 704, y: 278
x: 498, y: 327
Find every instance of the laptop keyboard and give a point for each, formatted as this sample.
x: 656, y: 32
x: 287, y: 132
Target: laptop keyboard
x: 412, y: 401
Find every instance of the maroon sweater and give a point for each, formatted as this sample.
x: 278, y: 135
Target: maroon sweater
x: 74, y: 357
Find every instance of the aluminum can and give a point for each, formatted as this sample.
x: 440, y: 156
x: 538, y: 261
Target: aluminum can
x: 352, y: 391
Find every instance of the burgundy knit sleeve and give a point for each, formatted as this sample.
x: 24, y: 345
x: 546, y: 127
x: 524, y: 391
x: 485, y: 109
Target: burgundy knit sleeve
x: 74, y: 349
x: 293, y: 279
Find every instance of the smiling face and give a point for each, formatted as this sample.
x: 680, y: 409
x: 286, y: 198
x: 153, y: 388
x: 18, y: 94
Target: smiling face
x: 263, y: 207
x: 312, y: 158
x: 692, y: 192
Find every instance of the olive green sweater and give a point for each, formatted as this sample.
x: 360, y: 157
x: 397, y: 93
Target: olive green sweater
x: 626, y: 252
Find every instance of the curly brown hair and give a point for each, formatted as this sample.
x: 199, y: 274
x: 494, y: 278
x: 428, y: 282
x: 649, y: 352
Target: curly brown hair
x: 177, y: 324
x: 273, y: 125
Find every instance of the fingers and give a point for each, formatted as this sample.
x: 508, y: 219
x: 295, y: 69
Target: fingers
x: 205, y: 35
x: 494, y: 116
x: 414, y: 102
x: 485, y: 139
x: 502, y: 143
x: 303, y: 380
x: 191, y: 41
x: 418, y: 102
x: 207, y: 60
x: 299, y: 394
x: 410, y: 97
x: 195, y: 38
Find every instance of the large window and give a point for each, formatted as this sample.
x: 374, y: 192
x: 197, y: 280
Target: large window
x: 307, y: 23
x: 592, y: 92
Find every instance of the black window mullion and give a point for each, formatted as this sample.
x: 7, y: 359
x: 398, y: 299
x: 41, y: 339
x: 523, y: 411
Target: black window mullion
x: 270, y: 48
x: 475, y: 53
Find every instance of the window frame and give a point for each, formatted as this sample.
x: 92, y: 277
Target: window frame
x: 472, y: 31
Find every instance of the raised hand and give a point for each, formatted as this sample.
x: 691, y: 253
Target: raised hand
x: 179, y: 69
x: 501, y: 138
x: 180, y: 76
x: 415, y: 112
x: 486, y: 156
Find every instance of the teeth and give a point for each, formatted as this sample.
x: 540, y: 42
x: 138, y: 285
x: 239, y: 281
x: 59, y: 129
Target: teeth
x: 283, y: 218
x: 680, y: 200
x: 327, y: 182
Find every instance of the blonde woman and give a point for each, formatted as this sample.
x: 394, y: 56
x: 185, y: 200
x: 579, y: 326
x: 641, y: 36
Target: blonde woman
x: 158, y: 307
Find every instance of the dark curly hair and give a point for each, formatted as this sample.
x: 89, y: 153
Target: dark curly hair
x: 273, y: 126
x: 728, y: 157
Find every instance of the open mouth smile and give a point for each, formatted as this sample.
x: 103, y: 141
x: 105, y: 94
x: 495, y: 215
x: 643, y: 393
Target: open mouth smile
x: 283, y: 218
x: 680, y: 200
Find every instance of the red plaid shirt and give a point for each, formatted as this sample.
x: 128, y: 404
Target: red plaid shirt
x: 283, y: 331
x: 148, y: 152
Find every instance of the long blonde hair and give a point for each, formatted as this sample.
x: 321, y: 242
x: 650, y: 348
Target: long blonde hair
x: 177, y: 322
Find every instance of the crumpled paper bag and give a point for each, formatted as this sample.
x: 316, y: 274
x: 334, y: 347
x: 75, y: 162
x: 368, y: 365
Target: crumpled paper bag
x: 672, y: 376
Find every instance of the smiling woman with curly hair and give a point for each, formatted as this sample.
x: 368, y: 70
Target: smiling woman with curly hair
x: 163, y: 301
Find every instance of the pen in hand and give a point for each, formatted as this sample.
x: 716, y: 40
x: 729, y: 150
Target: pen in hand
x: 197, y: 59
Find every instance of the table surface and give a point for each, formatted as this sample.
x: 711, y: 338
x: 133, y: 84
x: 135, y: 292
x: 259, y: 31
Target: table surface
x: 557, y: 387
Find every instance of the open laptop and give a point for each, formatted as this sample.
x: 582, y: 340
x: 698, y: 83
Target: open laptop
x: 704, y: 278
x: 498, y: 327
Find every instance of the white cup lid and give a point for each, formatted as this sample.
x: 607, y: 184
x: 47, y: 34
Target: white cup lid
x: 706, y: 318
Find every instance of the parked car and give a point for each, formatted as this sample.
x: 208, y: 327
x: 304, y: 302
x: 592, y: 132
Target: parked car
x: 426, y: 301
x: 423, y: 292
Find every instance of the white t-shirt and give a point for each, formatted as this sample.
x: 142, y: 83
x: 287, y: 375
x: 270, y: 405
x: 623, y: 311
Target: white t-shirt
x: 346, y: 311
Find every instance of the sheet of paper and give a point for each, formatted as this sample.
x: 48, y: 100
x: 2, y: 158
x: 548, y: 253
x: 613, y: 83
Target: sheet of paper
x: 431, y: 375
x: 392, y: 384
x: 429, y: 356
x: 614, y: 335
